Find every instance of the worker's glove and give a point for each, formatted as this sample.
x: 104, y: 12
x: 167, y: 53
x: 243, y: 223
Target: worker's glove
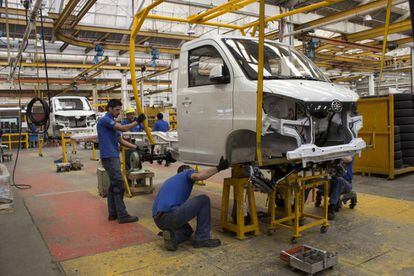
x: 140, y: 118
x: 223, y: 164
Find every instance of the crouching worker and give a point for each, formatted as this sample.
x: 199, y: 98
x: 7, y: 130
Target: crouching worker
x: 172, y: 209
x: 340, y: 185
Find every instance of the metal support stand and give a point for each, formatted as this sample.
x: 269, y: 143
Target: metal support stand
x: 94, y: 156
x: 295, y: 186
x: 40, y: 144
x: 239, y: 182
x: 64, y: 153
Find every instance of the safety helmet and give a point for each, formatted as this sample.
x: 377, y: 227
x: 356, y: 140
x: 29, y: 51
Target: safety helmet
x: 129, y: 110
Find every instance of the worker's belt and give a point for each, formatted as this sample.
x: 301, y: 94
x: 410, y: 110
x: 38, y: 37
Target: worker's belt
x: 158, y: 215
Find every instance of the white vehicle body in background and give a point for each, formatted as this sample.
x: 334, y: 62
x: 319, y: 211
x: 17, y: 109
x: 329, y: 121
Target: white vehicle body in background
x: 305, y: 116
x: 70, y: 112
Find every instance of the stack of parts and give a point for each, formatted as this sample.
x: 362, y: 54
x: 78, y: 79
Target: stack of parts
x: 404, y: 130
x: 6, y: 196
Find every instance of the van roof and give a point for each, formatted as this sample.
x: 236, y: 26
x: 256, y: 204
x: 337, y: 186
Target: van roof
x: 219, y: 37
x: 68, y: 97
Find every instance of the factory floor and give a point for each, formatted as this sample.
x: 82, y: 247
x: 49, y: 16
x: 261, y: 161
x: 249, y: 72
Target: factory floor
x: 60, y: 226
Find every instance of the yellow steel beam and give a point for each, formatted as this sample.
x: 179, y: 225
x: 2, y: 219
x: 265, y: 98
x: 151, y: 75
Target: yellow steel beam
x: 346, y: 79
x: 185, y: 20
x: 91, y: 68
x: 95, y: 74
x: 82, y: 13
x: 102, y: 38
x: 219, y: 10
x: 113, y: 46
x: 70, y: 6
x: 259, y: 103
x: 136, y: 26
x: 375, y: 32
x: 81, y: 66
x: 345, y: 59
x: 155, y: 34
x: 348, y: 44
x: 342, y: 15
x: 384, y: 42
x: 292, y: 12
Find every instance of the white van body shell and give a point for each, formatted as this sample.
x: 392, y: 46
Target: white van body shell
x: 220, y: 119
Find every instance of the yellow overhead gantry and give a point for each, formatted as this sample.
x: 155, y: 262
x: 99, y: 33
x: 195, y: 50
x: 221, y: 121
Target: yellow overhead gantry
x: 204, y: 18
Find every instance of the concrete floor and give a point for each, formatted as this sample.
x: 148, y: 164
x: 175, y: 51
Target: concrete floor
x: 60, y: 227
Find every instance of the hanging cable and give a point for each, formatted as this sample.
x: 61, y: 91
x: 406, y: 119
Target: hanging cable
x: 19, y: 186
x: 44, y: 56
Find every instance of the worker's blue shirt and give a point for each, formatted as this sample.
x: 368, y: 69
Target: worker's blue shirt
x: 175, y: 191
x: 137, y: 128
x: 108, y: 137
x: 161, y: 125
x: 349, y: 172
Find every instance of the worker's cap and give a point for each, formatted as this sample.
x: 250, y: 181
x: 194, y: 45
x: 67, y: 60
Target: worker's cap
x: 129, y: 110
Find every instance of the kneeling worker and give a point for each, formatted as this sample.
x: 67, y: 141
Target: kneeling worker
x: 109, y: 135
x: 340, y: 185
x: 172, y: 209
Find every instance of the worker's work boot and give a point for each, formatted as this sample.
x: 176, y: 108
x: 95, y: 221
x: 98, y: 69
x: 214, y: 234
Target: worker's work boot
x: 331, y: 212
x: 169, y: 240
x: 207, y: 243
x: 128, y: 219
x: 110, y: 218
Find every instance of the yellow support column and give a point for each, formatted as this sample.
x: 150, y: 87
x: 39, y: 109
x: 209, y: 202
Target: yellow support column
x: 64, y: 154
x: 123, y: 171
x: 239, y: 182
x: 73, y: 146
x: 94, y: 156
x: 40, y: 144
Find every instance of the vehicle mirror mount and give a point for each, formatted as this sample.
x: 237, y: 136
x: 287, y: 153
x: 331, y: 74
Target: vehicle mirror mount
x: 216, y: 74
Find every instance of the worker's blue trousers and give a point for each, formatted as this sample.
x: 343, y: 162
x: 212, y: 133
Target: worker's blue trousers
x: 337, y: 187
x: 177, y: 220
x: 116, y: 205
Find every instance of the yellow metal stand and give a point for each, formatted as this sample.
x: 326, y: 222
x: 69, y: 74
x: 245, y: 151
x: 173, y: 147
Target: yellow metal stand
x: 124, y: 173
x: 22, y: 139
x: 239, y: 182
x: 295, y: 186
x: 64, y: 141
x: 40, y: 144
x: 94, y: 156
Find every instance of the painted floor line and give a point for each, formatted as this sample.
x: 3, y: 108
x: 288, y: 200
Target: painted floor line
x: 60, y: 193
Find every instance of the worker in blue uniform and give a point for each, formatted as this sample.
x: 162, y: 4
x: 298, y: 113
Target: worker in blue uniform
x: 340, y: 185
x: 130, y: 116
x: 172, y: 209
x: 109, y: 138
x: 33, y: 135
x: 160, y: 124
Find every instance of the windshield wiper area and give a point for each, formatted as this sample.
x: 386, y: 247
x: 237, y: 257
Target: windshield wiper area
x: 276, y: 77
x: 304, y: 78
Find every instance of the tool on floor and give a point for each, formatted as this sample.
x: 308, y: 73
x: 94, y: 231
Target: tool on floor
x: 309, y: 259
x: 75, y: 165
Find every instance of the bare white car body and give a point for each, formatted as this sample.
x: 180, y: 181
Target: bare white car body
x: 70, y: 112
x: 305, y: 116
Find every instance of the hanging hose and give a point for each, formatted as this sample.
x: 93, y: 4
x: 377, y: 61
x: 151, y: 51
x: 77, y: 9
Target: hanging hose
x: 19, y: 186
x: 31, y: 115
x: 44, y: 56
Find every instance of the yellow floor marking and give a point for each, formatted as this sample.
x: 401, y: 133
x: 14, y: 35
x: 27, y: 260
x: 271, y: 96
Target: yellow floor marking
x: 389, y: 209
x: 141, y: 259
